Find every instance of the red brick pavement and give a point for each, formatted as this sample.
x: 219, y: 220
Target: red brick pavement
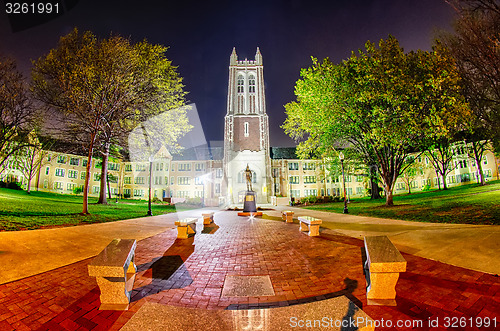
x: 191, y: 273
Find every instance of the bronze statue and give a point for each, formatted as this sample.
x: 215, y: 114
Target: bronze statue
x: 248, y: 174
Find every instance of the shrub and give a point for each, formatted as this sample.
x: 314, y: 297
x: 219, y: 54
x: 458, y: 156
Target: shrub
x: 14, y: 186
x: 126, y: 195
x: 426, y: 188
x: 78, y: 190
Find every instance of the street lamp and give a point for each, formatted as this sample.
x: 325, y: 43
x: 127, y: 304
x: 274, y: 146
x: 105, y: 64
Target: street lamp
x: 150, y: 212
x: 341, y: 157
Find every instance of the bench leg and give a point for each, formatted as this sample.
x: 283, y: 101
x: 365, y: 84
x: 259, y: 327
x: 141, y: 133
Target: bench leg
x: 289, y: 219
x: 382, y: 285
x: 207, y: 220
x: 313, y: 230
x: 115, y: 291
x: 304, y: 227
x: 283, y: 217
x: 182, y: 232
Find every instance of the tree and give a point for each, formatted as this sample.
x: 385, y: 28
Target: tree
x: 92, y: 85
x: 17, y: 112
x: 381, y: 101
x: 31, y: 158
x: 475, y: 45
x: 412, y: 169
x: 440, y: 154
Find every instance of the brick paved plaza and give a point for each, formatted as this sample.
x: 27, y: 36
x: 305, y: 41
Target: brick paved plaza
x: 191, y: 273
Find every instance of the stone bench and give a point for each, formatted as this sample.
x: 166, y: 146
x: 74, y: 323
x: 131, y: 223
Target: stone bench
x: 311, y: 224
x: 382, y: 268
x: 208, y: 218
x: 186, y: 227
x: 287, y: 215
x: 115, y: 271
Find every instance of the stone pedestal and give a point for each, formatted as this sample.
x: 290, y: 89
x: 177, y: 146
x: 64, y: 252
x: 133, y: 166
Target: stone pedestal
x: 115, y: 271
x: 382, y: 268
x: 287, y: 216
x: 208, y: 218
x: 250, y: 205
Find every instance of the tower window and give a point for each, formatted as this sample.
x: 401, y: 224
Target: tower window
x: 251, y: 84
x: 246, y: 129
x: 241, y: 84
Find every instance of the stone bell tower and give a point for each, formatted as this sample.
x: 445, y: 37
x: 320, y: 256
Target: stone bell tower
x: 246, y: 130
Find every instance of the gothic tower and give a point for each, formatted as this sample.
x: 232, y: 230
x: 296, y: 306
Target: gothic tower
x: 246, y: 130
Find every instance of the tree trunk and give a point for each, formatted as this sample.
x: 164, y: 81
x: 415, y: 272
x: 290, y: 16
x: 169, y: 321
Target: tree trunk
x: 104, y: 176
x: 479, y: 167
x: 388, y: 196
x: 444, y: 182
x: 38, y: 175
x: 375, y: 189
x: 85, y: 210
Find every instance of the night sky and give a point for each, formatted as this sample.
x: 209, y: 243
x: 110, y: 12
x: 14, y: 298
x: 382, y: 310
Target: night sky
x: 201, y: 36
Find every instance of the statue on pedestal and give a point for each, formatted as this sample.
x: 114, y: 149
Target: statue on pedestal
x: 248, y: 174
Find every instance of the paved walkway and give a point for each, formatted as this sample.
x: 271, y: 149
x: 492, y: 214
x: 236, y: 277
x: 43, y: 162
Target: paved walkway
x: 190, y: 274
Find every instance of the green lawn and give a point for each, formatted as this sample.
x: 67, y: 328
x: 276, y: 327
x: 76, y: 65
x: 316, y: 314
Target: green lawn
x: 471, y: 204
x: 22, y: 211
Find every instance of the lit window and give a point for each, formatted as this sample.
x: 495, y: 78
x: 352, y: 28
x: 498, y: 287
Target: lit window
x: 246, y: 129
x: 241, y: 84
x: 251, y: 84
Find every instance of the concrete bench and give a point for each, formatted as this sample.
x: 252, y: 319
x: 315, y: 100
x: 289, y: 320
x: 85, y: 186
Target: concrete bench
x: 186, y: 227
x: 115, y: 270
x: 311, y: 224
x: 382, y: 268
x: 208, y: 218
x: 287, y: 215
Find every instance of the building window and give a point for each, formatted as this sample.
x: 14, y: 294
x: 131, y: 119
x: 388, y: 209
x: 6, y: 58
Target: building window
x: 198, y: 180
x: 113, y: 166
x: 61, y: 159
x: 199, y: 167
x: 359, y: 178
x: 309, y: 179
x: 139, y: 180
x: 59, y: 172
x: 84, y: 163
x: 128, y: 167
x: 127, y: 180
x: 74, y: 161
x: 183, y: 180
x: 97, y: 176
x: 293, y: 166
x: 294, y: 180
x: 309, y: 166
x: 82, y: 175
x: 241, y: 84
x: 217, y: 188
x: 47, y: 170
x: 313, y: 192
x: 140, y: 167
x: 72, y: 174
x: 246, y: 129
x: 126, y: 192
x: 295, y: 193
x: 138, y: 193
x: 158, y: 180
x: 184, y: 167
x: 70, y: 186
x: 218, y: 173
x: 58, y: 185
x: 359, y: 190
x: 251, y: 84
x: 172, y: 180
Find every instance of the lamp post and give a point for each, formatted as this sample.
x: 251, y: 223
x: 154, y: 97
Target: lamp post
x: 341, y: 157
x: 150, y: 212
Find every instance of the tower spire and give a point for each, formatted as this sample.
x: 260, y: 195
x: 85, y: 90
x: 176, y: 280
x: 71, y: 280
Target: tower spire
x: 258, y: 57
x: 233, y: 58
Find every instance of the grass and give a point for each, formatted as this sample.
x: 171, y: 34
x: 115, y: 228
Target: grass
x: 467, y: 204
x: 22, y: 211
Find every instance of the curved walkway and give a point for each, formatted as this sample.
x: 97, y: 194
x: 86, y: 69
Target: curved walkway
x: 190, y: 274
